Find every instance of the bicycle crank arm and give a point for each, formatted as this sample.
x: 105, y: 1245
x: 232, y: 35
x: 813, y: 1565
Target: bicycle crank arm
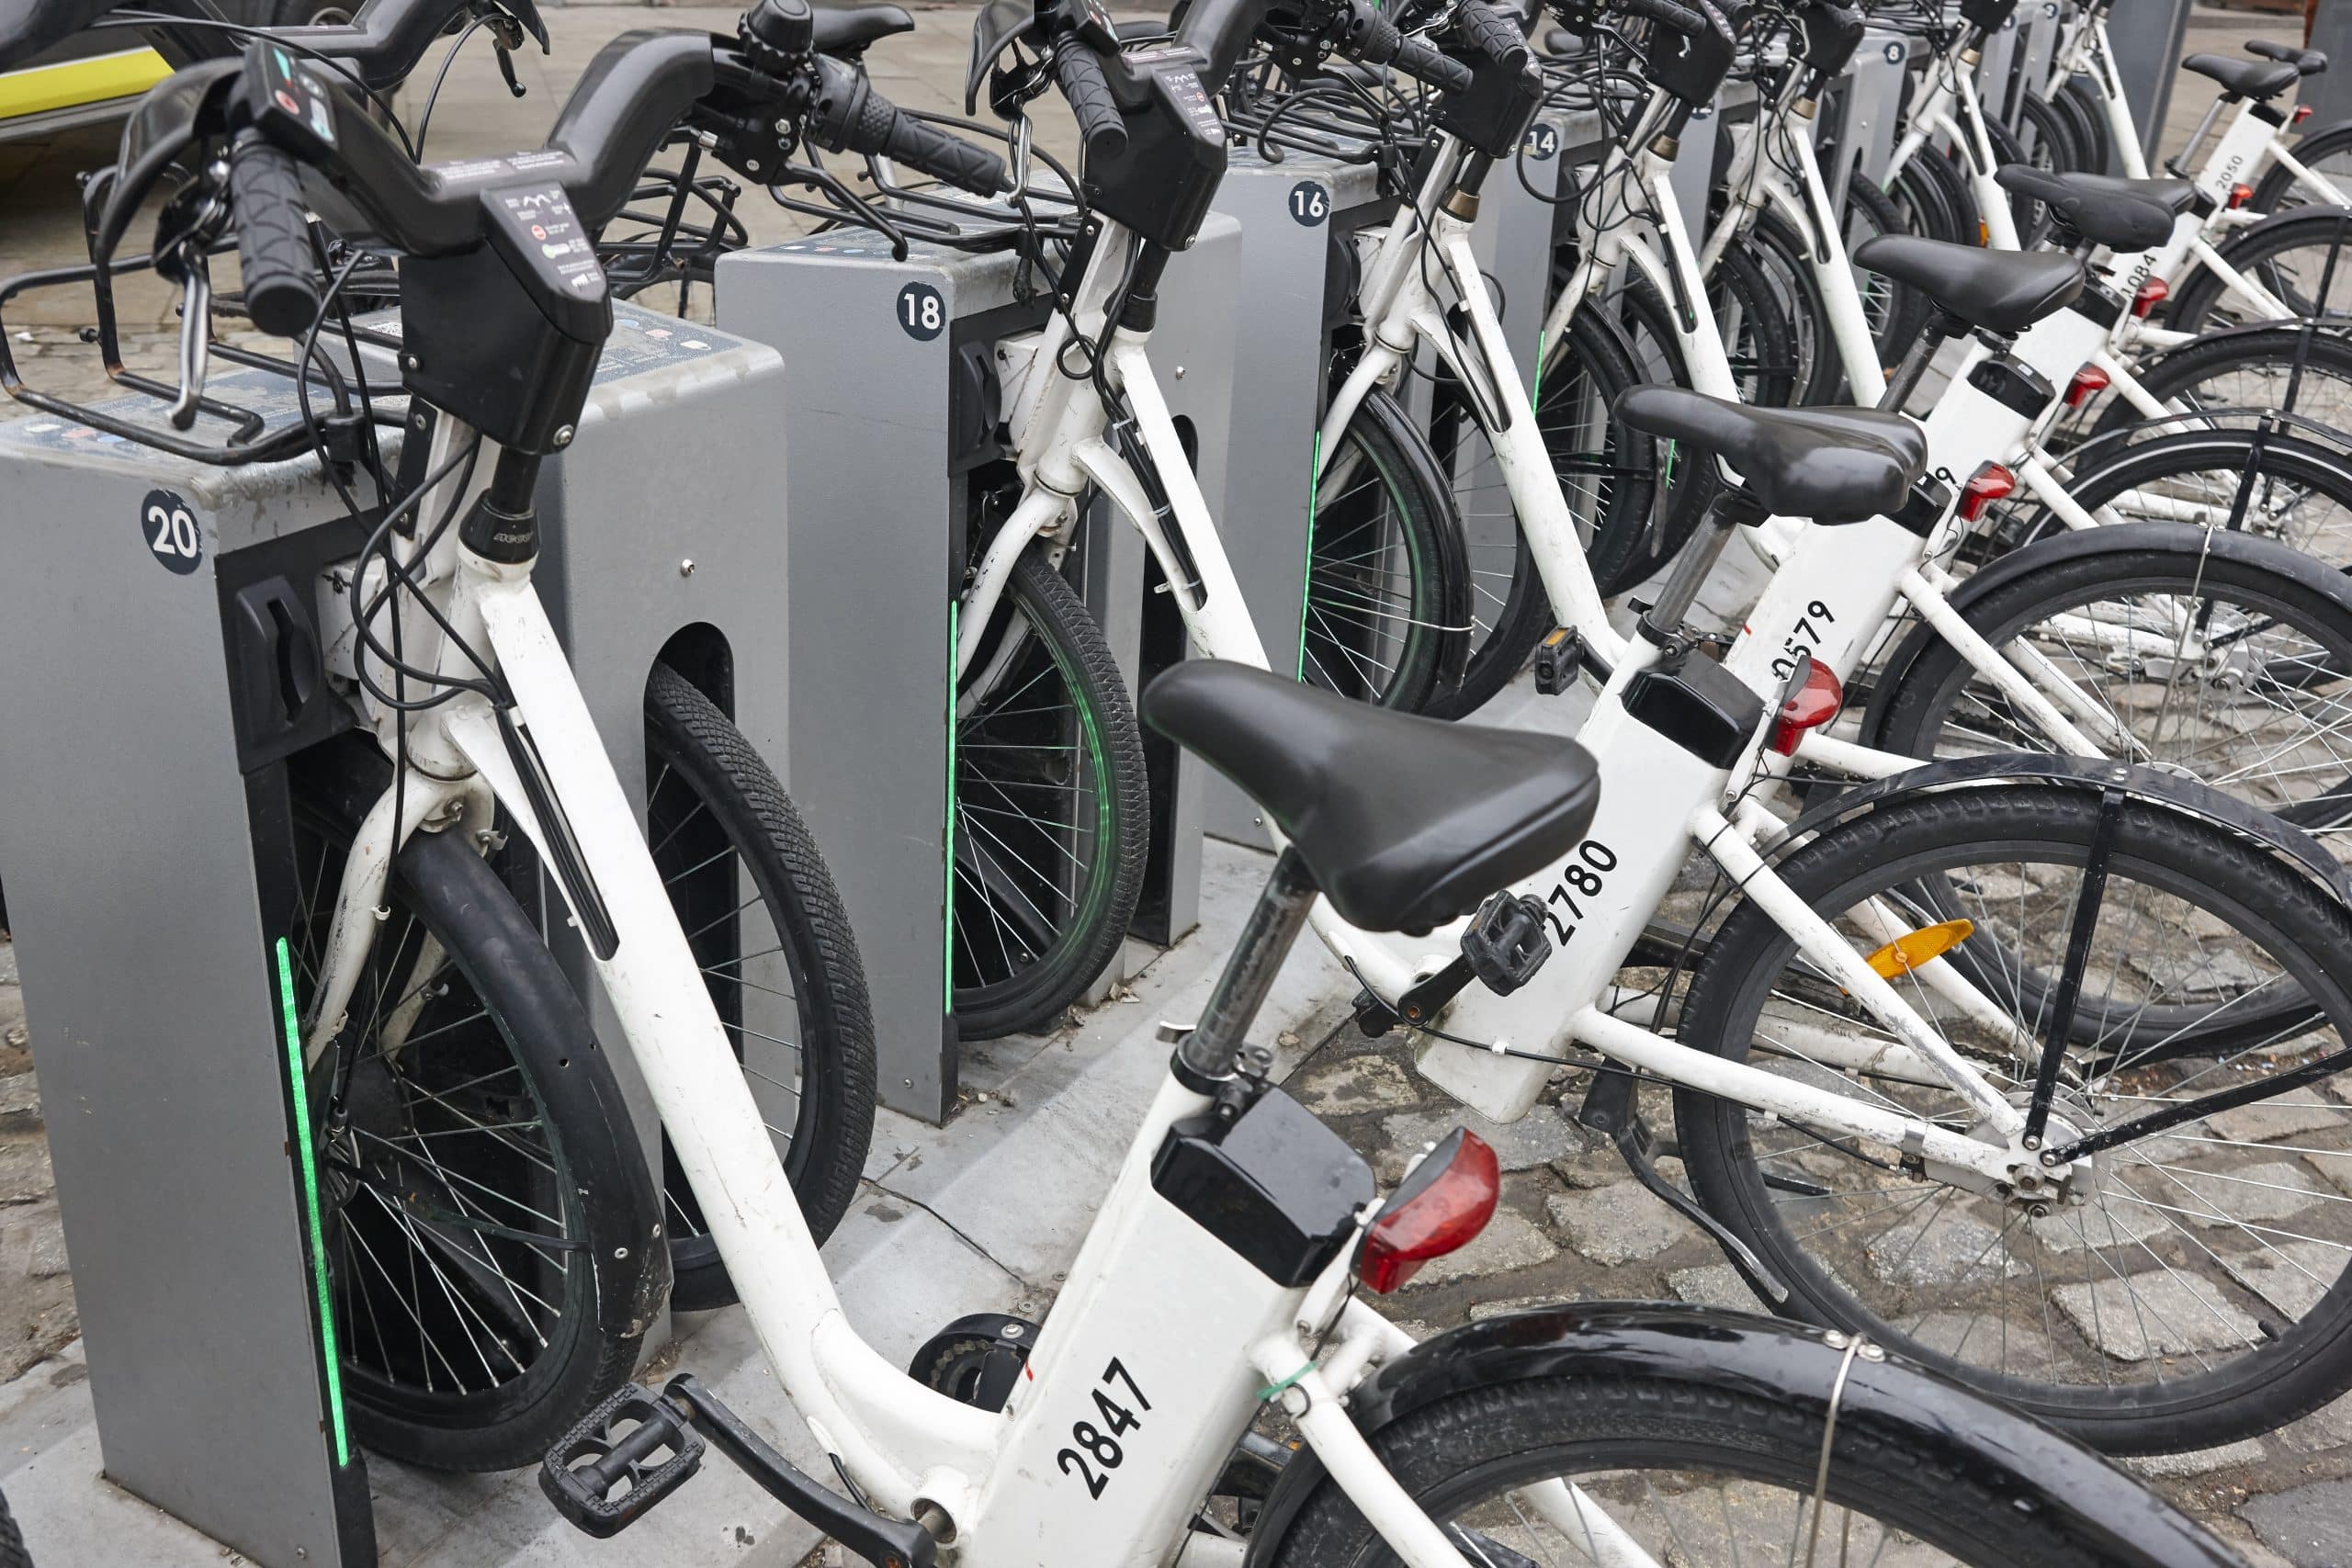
x: 604, y: 1480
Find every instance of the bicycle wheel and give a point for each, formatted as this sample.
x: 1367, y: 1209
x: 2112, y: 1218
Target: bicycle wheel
x: 1050, y: 809
x: 2228, y: 665
x: 1896, y: 311
x: 2025, y: 214
x: 1683, y: 491
x: 2078, y: 100
x: 2189, y: 1291
x: 768, y: 931
x: 1384, y: 606
x: 1759, y: 338
x: 2272, y: 367
x: 1604, y: 474
x: 2302, y: 258
x: 2326, y: 152
x: 1708, y: 1457
x: 492, y: 1233
x: 12, y: 1541
x: 2293, y: 488
x: 1785, y: 261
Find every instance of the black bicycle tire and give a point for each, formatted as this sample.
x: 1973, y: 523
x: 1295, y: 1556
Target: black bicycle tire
x: 1984, y: 1484
x: 2079, y: 94
x: 501, y: 953
x: 2248, y: 250
x: 835, y: 1123
x: 1906, y: 315
x: 1792, y: 258
x: 1426, y: 513
x: 1594, y: 344
x: 2173, y: 374
x: 2316, y: 1363
x: 2323, y: 142
x: 1046, y: 987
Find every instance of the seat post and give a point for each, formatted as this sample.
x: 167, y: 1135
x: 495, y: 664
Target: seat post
x: 1662, y: 621
x: 1206, y: 1055
x: 1941, y: 328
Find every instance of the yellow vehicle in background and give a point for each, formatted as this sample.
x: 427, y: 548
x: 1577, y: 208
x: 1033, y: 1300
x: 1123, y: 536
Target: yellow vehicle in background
x: 98, y: 75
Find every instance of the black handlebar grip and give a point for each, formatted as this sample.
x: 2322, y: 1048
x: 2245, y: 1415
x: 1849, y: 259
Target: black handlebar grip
x: 273, y: 237
x: 850, y: 116
x: 1099, y: 124
x: 1424, y: 63
x: 1494, y: 35
x: 1666, y: 13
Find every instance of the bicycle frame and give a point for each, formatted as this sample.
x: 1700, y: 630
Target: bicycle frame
x: 1149, y: 1289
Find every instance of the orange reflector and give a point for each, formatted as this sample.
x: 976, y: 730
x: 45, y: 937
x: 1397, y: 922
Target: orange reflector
x: 1990, y: 483
x: 1912, y: 949
x: 2152, y: 293
x: 2088, y: 383
x: 1984, y: 232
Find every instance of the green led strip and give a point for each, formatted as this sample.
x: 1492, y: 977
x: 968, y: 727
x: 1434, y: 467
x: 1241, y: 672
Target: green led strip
x: 310, y: 1200
x: 947, y: 925
x: 1536, y: 397
x: 1314, y: 485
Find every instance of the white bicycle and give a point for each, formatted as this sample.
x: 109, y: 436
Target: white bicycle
x: 1221, y: 1272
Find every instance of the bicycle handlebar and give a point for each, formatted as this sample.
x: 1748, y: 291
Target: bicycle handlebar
x: 1666, y: 13
x: 1376, y: 41
x: 849, y: 116
x: 1099, y: 124
x: 1492, y: 34
x: 273, y: 243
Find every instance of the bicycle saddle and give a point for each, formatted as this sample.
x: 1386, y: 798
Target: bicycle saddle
x: 2309, y: 62
x: 1999, y: 292
x: 1831, y: 465
x: 844, y: 31
x: 2175, y: 196
x: 2117, y: 219
x: 1404, y: 822
x: 2246, y: 78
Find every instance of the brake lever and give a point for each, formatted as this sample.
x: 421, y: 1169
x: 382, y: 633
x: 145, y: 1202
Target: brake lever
x: 195, y: 336
x: 506, y: 65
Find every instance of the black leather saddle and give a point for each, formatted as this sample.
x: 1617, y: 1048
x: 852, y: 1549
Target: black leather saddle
x: 2246, y: 78
x: 2117, y: 219
x: 2176, y: 196
x: 1830, y: 464
x: 2309, y: 62
x: 845, y: 31
x: 1999, y: 292
x: 1404, y: 822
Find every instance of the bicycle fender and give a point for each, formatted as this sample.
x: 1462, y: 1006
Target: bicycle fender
x: 2149, y: 787
x: 2306, y: 571
x: 1717, y: 1353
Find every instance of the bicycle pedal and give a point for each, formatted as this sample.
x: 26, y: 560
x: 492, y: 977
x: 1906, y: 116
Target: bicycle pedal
x: 1506, y: 943
x: 1557, y: 659
x: 624, y: 1456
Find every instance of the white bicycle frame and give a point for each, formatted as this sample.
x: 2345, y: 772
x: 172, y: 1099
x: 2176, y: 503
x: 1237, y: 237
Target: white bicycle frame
x: 1148, y: 1293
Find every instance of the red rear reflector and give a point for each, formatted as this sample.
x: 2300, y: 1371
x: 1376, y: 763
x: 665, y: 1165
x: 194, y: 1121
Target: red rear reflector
x: 2088, y: 383
x: 2239, y: 195
x: 1991, y: 483
x: 1810, y: 707
x: 1441, y: 1208
x: 2302, y: 112
x: 2152, y: 293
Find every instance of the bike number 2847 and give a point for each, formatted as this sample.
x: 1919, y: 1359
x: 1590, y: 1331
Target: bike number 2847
x: 1096, y: 1451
